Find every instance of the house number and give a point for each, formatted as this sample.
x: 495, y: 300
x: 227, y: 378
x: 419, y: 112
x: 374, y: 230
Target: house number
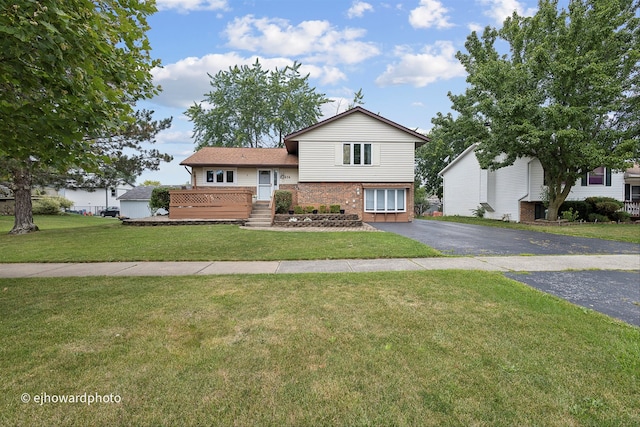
x: 283, y: 176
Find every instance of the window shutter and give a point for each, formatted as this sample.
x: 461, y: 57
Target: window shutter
x: 375, y: 154
x: 584, y: 180
x: 339, y: 151
x: 607, y: 177
x: 627, y: 192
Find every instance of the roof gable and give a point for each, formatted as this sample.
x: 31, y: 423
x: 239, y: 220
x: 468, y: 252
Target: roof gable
x: 469, y: 149
x: 291, y: 140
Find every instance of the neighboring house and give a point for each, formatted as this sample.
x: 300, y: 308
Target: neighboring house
x: 135, y: 203
x: 356, y: 159
x: 94, y: 200
x: 515, y: 192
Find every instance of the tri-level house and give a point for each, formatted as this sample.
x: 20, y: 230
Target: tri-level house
x: 356, y: 159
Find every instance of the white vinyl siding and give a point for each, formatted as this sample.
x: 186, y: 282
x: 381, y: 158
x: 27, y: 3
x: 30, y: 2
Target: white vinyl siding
x: 245, y: 177
x: 321, y: 152
x: 615, y: 190
x: 323, y: 162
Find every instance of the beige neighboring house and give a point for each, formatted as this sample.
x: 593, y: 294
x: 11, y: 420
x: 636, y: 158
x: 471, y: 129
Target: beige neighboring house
x: 356, y: 159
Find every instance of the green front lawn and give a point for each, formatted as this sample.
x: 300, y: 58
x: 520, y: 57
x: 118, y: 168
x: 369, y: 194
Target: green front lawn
x: 412, y: 348
x: 74, y: 238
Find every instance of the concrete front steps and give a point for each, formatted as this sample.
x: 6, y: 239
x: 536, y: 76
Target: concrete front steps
x: 260, y: 215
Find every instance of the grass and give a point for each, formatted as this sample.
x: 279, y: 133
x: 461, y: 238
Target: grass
x: 75, y: 238
x: 412, y: 348
x: 618, y: 232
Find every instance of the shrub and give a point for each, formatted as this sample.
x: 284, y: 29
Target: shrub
x: 160, y: 198
x: 283, y: 201
x: 309, y: 209
x: 334, y: 208
x: 606, y: 206
x: 322, y: 209
x: 478, y: 212
x: 570, y: 215
x: 621, y: 216
x: 51, y: 205
x: 580, y: 207
x: 594, y: 217
x: 298, y: 210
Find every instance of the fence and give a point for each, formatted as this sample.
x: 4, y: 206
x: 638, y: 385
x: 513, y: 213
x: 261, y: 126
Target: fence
x: 210, y: 204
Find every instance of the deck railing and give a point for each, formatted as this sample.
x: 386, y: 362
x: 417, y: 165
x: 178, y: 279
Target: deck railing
x: 210, y: 204
x: 632, y: 208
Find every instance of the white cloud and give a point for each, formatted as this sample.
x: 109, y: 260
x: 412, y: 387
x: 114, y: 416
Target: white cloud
x: 174, y: 137
x: 478, y: 28
x: 499, y: 10
x: 184, y: 6
x: 430, y: 13
x: 186, y: 81
x: 358, y: 8
x: 312, y: 41
x: 435, y: 62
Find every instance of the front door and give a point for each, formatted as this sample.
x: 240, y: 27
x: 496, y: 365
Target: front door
x: 264, y: 184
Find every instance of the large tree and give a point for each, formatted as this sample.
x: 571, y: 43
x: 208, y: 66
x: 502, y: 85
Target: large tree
x: 70, y: 72
x: 252, y: 107
x: 566, y: 92
x: 122, y: 156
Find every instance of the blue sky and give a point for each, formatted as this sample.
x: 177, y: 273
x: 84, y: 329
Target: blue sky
x: 401, y: 53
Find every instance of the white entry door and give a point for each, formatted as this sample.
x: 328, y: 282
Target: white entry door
x: 264, y: 184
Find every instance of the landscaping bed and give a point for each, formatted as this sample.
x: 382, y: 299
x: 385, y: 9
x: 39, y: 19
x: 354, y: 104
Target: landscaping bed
x: 317, y: 220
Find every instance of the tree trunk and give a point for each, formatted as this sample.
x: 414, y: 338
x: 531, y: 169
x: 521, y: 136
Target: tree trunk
x: 552, y: 210
x: 557, y: 201
x: 23, y: 210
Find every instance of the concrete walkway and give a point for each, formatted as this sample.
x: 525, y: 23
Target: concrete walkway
x: 623, y: 262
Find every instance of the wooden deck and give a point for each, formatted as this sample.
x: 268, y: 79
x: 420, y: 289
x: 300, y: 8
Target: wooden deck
x: 211, y: 203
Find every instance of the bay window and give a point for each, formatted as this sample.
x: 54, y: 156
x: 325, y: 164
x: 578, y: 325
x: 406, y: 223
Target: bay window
x: 384, y: 200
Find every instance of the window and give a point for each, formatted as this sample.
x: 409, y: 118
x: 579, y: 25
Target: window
x: 114, y: 192
x: 596, y: 176
x: 221, y: 176
x: 632, y: 193
x: 384, y: 200
x: 356, y: 154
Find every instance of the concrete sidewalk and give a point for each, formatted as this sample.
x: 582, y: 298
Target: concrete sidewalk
x: 486, y: 263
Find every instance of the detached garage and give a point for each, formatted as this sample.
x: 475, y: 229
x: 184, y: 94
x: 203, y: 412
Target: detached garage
x: 135, y: 203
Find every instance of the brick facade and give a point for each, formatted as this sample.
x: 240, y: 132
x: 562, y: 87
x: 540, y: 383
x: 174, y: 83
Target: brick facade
x: 350, y: 197
x: 527, y: 211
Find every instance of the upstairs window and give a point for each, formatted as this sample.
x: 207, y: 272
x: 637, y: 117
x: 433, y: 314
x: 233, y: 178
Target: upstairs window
x: 596, y: 176
x: 220, y: 176
x: 356, y: 154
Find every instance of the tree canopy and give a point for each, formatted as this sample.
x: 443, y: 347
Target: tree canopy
x: 566, y: 92
x: 252, y: 107
x: 70, y: 72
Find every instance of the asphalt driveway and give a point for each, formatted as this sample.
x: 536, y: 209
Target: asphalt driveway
x: 465, y: 239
